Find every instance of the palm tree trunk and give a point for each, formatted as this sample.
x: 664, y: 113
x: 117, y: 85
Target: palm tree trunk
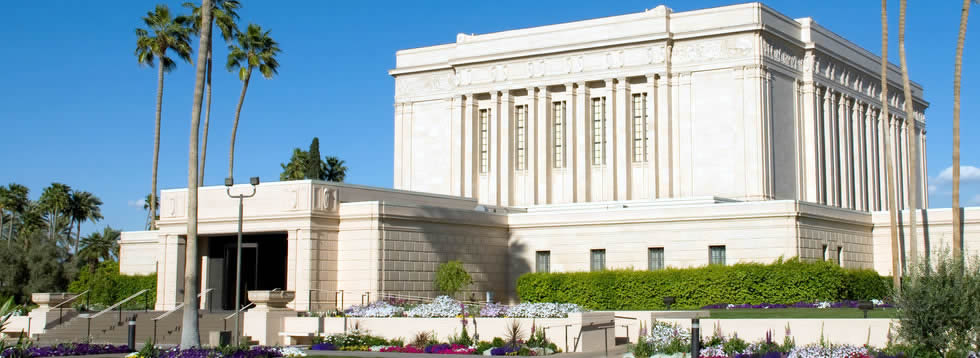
x: 889, y: 165
x: 1, y: 223
x: 191, y: 332
x: 234, y: 127
x: 910, y: 134
x: 156, y: 145
x: 10, y: 231
x: 78, y: 237
x: 207, y: 121
x: 958, y: 66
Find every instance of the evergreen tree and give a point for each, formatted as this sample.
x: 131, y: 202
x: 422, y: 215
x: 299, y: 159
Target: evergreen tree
x: 314, y: 165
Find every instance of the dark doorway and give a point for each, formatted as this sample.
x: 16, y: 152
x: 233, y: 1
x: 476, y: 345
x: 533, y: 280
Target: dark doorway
x: 263, y: 264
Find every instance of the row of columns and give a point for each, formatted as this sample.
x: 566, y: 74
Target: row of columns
x: 576, y: 177
x: 850, y: 153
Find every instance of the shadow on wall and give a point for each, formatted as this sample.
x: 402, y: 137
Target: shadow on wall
x: 519, y: 265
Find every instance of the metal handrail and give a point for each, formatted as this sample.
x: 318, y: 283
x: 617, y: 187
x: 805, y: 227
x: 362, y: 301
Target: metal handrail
x: 88, y: 331
x: 249, y: 305
x: 71, y: 299
x: 118, y: 304
x: 61, y: 310
x: 165, y: 314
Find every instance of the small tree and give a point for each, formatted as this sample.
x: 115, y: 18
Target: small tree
x: 451, y: 277
x: 938, y: 305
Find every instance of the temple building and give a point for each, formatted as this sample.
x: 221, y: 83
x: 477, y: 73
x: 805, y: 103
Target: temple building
x: 647, y: 140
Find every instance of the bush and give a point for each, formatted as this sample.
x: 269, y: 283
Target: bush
x: 782, y: 282
x: 865, y: 285
x: 938, y: 305
x: 451, y: 277
x: 107, y: 286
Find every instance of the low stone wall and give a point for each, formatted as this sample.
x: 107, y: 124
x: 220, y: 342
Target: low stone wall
x: 576, y: 339
x: 873, y: 331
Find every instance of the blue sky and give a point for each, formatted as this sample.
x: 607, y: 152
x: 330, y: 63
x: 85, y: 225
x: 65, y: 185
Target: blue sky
x: 76, y: 108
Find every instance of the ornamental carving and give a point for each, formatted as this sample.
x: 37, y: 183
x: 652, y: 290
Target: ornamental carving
x: 423, y: 84
x: 326, y: 199
x: 709, y: 50
x: 781, y: 52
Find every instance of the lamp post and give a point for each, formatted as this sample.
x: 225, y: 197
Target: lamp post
x: 229, y: 182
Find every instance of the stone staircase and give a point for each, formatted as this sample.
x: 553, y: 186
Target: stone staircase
x: 108, y: 329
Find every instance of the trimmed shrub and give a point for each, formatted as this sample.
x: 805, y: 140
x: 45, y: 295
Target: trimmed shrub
x: 107, y: 286
x: 782, y: 282
x: 451, y: 277
x: 865, y: 285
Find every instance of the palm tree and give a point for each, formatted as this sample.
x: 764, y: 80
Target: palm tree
x: 336, y: 171
x: 17, y: 204
x: 889, y: 166
x: 255, y: 49
x: 296, y: 168
x: 224, y: 13
x: 84, y: 206
x: 957, y: 69
x: 97, y: 247
x: 153, y: 215
x: 54, y: 203
x: 191, y: 333
x: 169, y: 35
x: 910, y: 131
x: 4, y: 205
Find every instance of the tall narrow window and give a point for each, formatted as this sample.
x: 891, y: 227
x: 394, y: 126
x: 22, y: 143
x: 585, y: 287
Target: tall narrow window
x: 520, y: 125
x: 840, y: 256
x: 598, y: 130
x: 542, y: 261
x: 558, y: 137
x: 826, y: 253
x: 717, y: 255
x: 655, y: 258
x: 484, y: 140
x: 640, y: 127
x: 598, y: 260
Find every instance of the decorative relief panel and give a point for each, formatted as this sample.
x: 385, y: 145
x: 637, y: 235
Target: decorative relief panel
x: 783, y: 53
x: 707, y: 50
x: 326, y: 199
x: 848, y: 77
x: 422, y: 84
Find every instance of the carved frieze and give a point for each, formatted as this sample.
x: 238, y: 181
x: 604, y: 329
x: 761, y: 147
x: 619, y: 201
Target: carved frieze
x: 424, y: 83
x: 848, y: 77
x: 783, y: 53
x: 712, y: 49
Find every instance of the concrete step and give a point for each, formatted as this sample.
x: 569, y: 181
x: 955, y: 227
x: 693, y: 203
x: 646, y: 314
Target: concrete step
x: 109, y: 330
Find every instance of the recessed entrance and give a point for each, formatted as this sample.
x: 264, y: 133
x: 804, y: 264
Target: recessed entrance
x: 263, y: 266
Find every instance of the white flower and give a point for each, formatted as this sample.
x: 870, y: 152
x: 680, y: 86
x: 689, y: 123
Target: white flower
x: 877, y: 302
x: 377, y: 309
x: 823, y: 304
x: 442, y: 306
x: 836, y: 351
x: 291, y: 352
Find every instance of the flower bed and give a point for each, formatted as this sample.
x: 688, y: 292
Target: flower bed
x: 426, y: 342
x: 72, y: 349
x: 445, y: 306
x: 841, y: 304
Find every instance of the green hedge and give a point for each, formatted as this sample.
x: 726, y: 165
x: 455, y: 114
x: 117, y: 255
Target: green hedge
x: 107, y: 286
x: 784, y: 282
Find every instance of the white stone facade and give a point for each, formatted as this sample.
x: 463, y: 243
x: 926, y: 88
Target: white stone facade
x: 640, y: 141
x: 738, y: 102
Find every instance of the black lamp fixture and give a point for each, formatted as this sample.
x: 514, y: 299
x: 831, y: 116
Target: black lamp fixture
x: 669, y: 300
x: 866, y: 306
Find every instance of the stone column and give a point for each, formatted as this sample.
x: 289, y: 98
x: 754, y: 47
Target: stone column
x: 400, y: 134
x: 468, y: 144
x: 811, y: 145
x: 608, y: 166
x: 302, y: 251
x: 505, y: 194
x: 581, y: 159
x: 883, y: 128
x: 457, y: 111
x: 843, y: 174
x: 653, y: 143
x: 542, y: 173
x: 857, y: 162
x: 828, y: 148
x: 623, y: 144
x: 872, y: 183
x: 922, y: 169
x: 531, y: 166
x: 170, y: 272
x: 493, y: 171
x: 264, y: 321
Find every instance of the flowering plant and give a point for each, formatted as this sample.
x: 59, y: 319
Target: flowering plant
x: 76, y: 349
x: 832, y: 351
x: 543, y: 310
x: 376, y: 309
x: 442, y: 306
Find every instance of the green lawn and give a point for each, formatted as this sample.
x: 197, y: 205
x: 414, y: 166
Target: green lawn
x: 801, y: 313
